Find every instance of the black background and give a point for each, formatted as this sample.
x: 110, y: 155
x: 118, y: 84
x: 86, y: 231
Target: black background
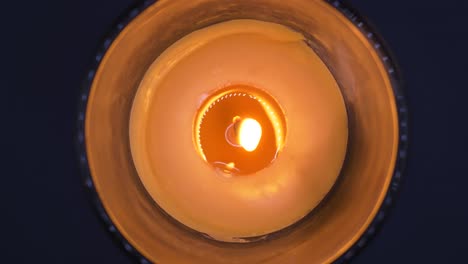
x: 46, y: 47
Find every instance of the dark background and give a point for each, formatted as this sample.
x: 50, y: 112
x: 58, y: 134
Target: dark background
x: 46, y: 47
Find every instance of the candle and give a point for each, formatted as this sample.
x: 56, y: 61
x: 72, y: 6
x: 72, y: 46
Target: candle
x: 238, y: 129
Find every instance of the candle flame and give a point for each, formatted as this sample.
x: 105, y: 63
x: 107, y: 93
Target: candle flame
x: 249, y: 134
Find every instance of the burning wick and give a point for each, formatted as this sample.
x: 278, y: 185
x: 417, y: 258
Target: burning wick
x: 244, y: 132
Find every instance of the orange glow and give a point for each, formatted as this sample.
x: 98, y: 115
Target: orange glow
x: 239, y: 129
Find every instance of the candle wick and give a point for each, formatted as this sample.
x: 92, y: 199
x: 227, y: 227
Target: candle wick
x: 230, y: 135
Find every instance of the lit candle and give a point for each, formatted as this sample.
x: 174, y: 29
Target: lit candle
x: 238, y: 129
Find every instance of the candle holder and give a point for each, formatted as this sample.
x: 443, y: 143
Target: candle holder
x: 351, y: 212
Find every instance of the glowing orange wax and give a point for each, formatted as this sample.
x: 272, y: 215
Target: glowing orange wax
x: 245, y: 98
x: 221, y: 130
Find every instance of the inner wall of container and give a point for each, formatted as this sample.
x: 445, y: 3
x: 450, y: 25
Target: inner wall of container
x: 372, y: 141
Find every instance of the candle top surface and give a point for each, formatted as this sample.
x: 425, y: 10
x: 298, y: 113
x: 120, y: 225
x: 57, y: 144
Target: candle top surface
x: 249, y: 57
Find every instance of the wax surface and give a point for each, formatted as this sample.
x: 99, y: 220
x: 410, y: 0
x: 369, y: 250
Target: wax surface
x: 264, y: 55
